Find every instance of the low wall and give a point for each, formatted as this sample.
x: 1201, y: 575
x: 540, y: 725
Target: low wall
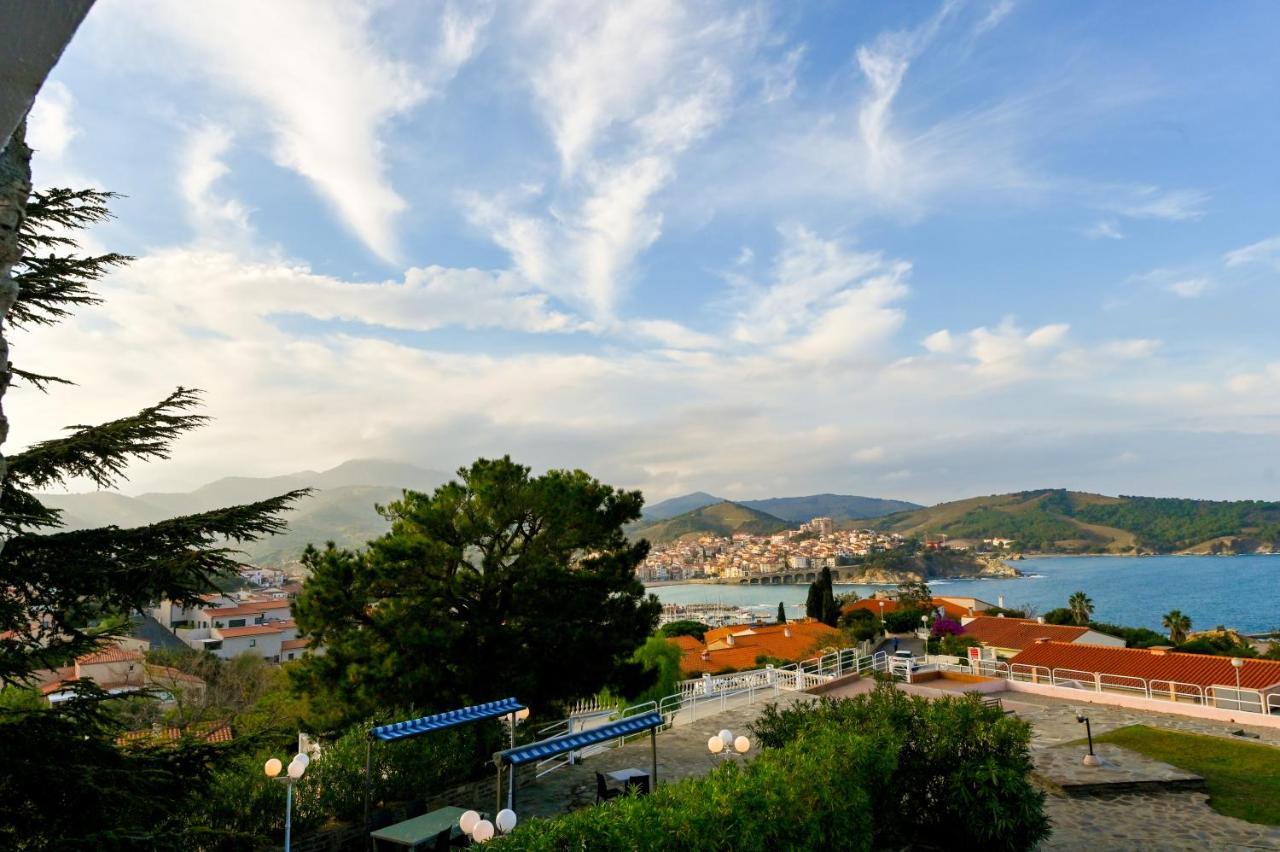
x: 1179, y: 708
x: 834, y: 683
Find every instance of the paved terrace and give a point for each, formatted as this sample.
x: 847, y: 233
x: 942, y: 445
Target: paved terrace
x: 1172, y: 820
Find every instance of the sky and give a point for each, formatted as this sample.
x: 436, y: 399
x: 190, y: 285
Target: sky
x: 909, y: 250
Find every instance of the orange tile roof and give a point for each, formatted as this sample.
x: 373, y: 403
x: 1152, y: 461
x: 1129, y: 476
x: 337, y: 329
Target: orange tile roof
x: 210, y: 732
x: 687, y: 643
x: 1017, y: 633
x: 254, y: 629
x: 872, y: 605
x: 251, y: 608
x: 1199, y: 669
x: 112, y: 654
x: 752, y: 641
x: 294, y: 644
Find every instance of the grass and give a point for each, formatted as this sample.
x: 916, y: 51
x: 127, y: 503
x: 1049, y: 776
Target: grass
x: 1243, y: 778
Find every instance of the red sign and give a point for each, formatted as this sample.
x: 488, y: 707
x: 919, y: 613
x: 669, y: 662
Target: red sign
x: 975, y: 654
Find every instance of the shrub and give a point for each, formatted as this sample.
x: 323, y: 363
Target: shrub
x: 903, y: 620
x: 687, y: 627
x: 813, y: 793
x: 962, y: 770
x: 946, y: 627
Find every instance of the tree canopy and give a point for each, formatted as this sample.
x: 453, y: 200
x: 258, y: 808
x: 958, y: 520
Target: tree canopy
x: 499, y: 583
x: 68, y: 593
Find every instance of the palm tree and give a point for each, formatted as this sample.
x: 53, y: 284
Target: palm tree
x: 1178, y: 626
x: 1081, y: 606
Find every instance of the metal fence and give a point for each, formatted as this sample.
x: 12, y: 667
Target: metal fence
x: 1222, y: 696
x: 709, y: 694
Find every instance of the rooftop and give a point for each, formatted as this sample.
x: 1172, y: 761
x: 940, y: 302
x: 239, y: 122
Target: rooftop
x: 795, y: 640
x: 1151, y: 664
x: 255, y: 629
x: 1019, y: 632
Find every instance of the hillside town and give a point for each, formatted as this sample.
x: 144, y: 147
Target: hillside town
x: 816, y: 544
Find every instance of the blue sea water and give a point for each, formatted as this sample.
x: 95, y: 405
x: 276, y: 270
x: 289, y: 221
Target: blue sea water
x: 1242, y: 592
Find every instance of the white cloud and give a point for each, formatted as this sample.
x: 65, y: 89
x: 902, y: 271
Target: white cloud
x: 1152, y: 202
x: 50, y: 128
x: 326, y: 90
x: 869, y: 454
x: 779, y: 78
x: 1190, y: 288
x: 1106, y: 229
x: 1263, y: 251
x: 217, y: 220
x: 619, y: 127
x: 998, y: 11
x: 939, y: 342
x: 825, y: 302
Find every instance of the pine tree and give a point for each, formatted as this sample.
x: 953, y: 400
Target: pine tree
x: 64, y: 782
x: 813, y: 601
x: 830, y: 610
x: 782, y: 613
x: 499, y: 583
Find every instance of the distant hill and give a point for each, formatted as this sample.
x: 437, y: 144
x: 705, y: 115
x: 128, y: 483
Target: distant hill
x: 724, y: 518
x: 341, y: 508
x: 664, y: 509
x: 1057, y: 520
x: 838, y: 507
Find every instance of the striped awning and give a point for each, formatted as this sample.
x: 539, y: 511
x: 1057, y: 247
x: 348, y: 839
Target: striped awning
x: 571, y: 742
x: 440, y: 721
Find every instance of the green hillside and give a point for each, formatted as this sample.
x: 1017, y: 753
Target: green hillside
x: 1056, y: 520
x: 839, y: 507
x: 724, y: 518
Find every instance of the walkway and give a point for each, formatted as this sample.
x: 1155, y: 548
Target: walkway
x: 1174, y: 820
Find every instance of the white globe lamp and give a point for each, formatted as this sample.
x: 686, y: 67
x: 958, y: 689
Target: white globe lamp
x: 483, y: 832
x: 506, y: 820
x: 467, y: 822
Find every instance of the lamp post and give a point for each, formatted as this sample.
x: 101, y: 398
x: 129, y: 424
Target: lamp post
x: 297, y: 766
x: 1237, y: 664
x: 1090, y: 759
x: 924, y: 628
x: 881, y: 616
x: 724, y: 745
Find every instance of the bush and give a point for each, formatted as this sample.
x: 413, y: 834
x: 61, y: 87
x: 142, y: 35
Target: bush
x: 903, y: 620
x: 962, y: 770
x: 687, y: 627
x: 813, y: 793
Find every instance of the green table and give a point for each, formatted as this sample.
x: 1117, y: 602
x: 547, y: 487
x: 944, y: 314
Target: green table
x: 421, y: 829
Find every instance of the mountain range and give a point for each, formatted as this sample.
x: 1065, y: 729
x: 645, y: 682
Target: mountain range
x: 838, y: 507
x: 1060, y: 521
x: 340, y: 508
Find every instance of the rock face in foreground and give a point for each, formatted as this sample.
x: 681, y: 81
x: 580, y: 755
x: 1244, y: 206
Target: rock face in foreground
x: 937, y: 565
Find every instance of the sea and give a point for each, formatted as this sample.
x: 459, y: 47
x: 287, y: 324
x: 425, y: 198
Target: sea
x: 1242, y: 592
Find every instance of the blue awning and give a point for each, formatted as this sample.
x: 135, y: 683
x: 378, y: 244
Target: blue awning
x: 440, y: 721
x: 571, y: 742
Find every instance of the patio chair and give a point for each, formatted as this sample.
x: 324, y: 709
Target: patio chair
x: 603, y: 791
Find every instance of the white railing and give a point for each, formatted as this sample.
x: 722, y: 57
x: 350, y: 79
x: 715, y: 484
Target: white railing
x: 1243, y: 699
x: 1172, y: 690
x: 1029, y: 673
x: 710, y: 694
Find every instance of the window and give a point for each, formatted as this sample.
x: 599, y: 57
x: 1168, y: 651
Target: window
x: 253, y: 643
x: 236, y: 622
x: 291, y: 655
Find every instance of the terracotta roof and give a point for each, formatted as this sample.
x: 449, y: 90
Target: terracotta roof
x: 1018, y: 633
x: 687, y: 643
x: 254, y: 629
x: 872, y: 605
x: 295, y: 644
x: 752, y: 641
x: 113, y: 654
x: 250, y: 608
x: 1200, y: 669
x: 210, y: 732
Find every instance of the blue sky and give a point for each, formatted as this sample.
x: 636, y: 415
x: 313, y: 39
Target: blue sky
x: 910, y: 250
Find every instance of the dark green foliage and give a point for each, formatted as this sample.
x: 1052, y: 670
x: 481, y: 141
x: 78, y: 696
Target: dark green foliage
x: 660, y: 659
x: 813, y: 601
x: 63, y: 781
x: 782, y: 613
x: 830, y: 614
x: 65, y: 784
x: 1061, y: 615
x: 815, y: 793
x: 1217, y: 645
x: 904, y: 620
x: 961, y: 775
x: 696, y: 629
x: 1164, y: 524
x: 1032, y: 530
x: 916, y: 593
x: 500, y: 583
